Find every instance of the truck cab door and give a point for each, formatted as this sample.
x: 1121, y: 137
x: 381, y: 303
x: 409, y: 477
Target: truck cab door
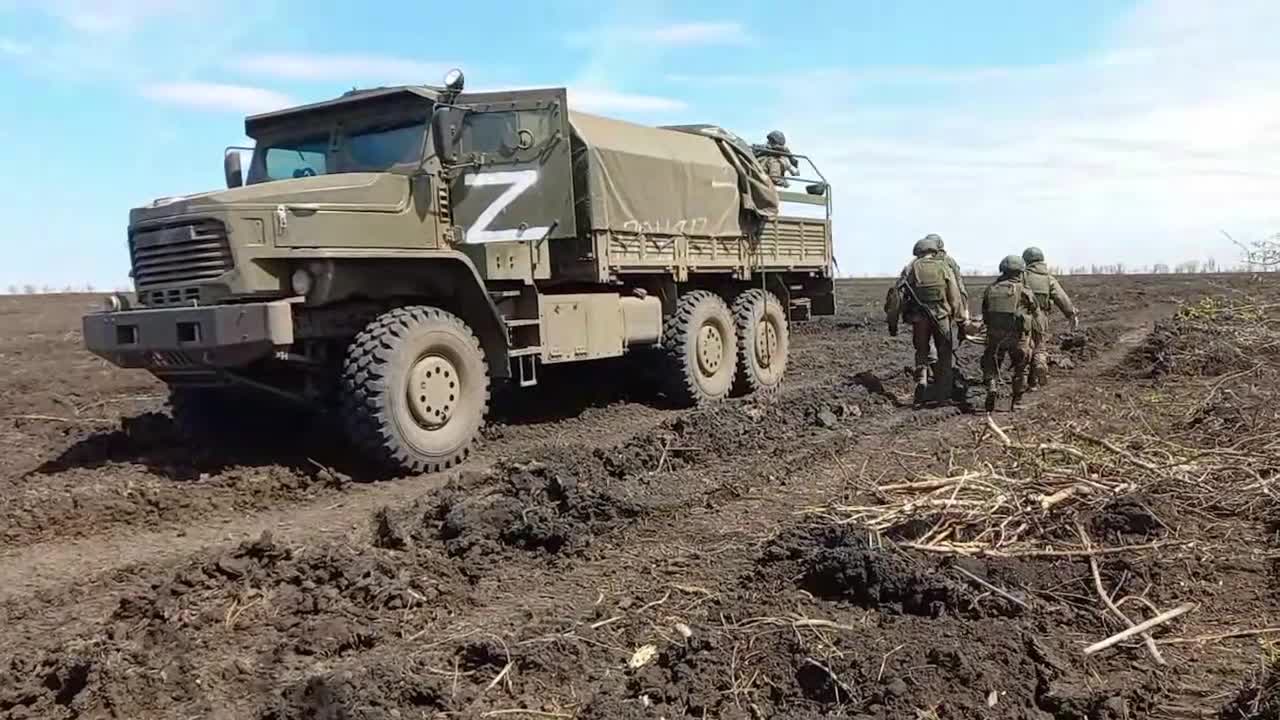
x: 512, y: 193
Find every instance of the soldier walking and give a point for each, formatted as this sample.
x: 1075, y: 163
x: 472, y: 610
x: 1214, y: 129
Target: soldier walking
x: 1010, y: 312
x: 927, y: 295
x: 1048, y: 294
x: 964, y: 295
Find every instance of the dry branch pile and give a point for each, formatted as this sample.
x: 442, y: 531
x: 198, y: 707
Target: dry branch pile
x: 1207, y: 441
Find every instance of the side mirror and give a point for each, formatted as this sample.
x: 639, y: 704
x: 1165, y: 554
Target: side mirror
x: 446, y: 126
x: 231, y: 167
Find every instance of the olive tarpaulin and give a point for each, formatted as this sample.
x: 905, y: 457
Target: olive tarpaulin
x: 697, y: 180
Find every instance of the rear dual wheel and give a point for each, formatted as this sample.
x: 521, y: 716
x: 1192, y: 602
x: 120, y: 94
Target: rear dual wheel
x: 699, y: 344
x: 712, y: 350
x: 763, y: 341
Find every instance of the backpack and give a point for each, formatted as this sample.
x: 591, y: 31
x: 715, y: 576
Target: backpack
x: 1038, y: 282
x: 928, y: 279
x: 1004, y: 307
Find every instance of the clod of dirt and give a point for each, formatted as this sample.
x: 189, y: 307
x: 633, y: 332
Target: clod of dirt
x: 1127, y: 518
x: 386, y: 532
x: 836, y: 563
x: 551, y: 507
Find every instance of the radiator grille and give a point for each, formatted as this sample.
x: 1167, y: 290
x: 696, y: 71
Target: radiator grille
x: 191, y: 252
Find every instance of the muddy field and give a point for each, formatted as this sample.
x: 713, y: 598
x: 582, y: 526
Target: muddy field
x: 826, y: 552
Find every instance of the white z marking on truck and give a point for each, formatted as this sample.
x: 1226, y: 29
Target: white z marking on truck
x: 517, y: 181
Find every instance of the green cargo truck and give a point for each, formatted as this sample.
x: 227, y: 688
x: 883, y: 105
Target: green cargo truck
x: 389, y: 254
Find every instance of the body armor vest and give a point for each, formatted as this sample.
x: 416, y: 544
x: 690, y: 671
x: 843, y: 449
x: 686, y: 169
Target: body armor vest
x: 1004, y: 307
x: 929, y: 280
x: 1038, y: 282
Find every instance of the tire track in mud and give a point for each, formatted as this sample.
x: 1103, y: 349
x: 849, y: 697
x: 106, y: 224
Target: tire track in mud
x: 101, y: 568
x: 562, y: 526
x: 171, y: 488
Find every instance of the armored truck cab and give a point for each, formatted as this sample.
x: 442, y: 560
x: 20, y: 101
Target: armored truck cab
x: 389, y: 254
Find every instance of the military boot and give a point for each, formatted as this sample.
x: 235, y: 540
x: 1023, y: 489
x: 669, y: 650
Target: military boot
x: 991, y: 397
x: 1018, y: 389
x: 922, y: 385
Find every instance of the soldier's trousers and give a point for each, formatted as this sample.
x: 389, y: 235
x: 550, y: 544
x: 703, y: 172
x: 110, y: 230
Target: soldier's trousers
x: 1017, y: 346
x: 1039, y: 373
x: 926, y: 333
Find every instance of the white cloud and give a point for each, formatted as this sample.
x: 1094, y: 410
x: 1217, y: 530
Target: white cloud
x: 343, y: 67
x: 13, y: 47
x: 700, y: 33
x: 688, y: 34
x: 606, y: 101
x: 237, y: 99
x: 111, y: 16
x: 594, y: 99
x: 1139, y: 152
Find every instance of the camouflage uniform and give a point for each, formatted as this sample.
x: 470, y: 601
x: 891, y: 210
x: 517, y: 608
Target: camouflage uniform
x: 777, y: 167
x: 1010, y: 312
x: 962, y: 317
x: 1048, y: 294
x: 955, y: 267
x: 927, y: 295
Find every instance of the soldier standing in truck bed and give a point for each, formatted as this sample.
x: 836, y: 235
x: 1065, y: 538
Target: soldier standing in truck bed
x: 1010, y: 312
x: 1048, y: 295
x: 775, y: 165
x: 927, y: 295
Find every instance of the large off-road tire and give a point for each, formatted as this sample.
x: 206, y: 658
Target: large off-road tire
x: 700, y: 349
x: 763, y: 341
x: 415, y: 389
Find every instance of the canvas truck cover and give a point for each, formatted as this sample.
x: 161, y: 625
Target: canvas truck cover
x: 665, y: 181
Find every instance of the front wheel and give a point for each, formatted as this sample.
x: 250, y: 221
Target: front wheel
x: 415, y: 389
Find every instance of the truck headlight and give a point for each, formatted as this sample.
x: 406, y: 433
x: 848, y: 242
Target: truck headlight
x: 301, y: 281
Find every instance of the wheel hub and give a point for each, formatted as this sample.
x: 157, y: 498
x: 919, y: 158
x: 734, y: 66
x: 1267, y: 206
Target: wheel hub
x: 710, y: 349
x: 766, y: 343
x: 433, y: 391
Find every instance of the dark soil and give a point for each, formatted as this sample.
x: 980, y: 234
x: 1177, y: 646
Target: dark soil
x: 605, y: 556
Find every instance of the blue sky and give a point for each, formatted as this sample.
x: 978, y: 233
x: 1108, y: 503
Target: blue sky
x: 1103, y: 131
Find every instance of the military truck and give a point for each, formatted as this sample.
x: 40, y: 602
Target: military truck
x: 390, y: 254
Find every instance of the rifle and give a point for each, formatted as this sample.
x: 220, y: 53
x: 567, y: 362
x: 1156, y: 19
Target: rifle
x: 914, y: 298
x: 766, y: 150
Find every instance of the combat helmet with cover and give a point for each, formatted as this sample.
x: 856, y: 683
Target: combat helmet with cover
x: 1012, y: 264
x: 1037, y: 278
x: 775, y: 137
x: 926, y: 244
x: 928, y: 277
x: 935, y: 237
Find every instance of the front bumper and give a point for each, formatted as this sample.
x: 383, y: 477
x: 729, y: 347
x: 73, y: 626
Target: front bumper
x: 190, y: 337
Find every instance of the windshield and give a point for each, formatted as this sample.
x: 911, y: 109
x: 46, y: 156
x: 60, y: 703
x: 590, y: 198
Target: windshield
x: 370, y: 149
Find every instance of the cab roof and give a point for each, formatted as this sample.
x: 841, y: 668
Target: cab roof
x: 255, y: 123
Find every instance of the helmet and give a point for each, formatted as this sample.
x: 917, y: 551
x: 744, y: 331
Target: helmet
x: 1012, y: 264
x: 936, y: 238
x: 1033, y: 255
x: 925, y: 245
x: 776, y: 138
